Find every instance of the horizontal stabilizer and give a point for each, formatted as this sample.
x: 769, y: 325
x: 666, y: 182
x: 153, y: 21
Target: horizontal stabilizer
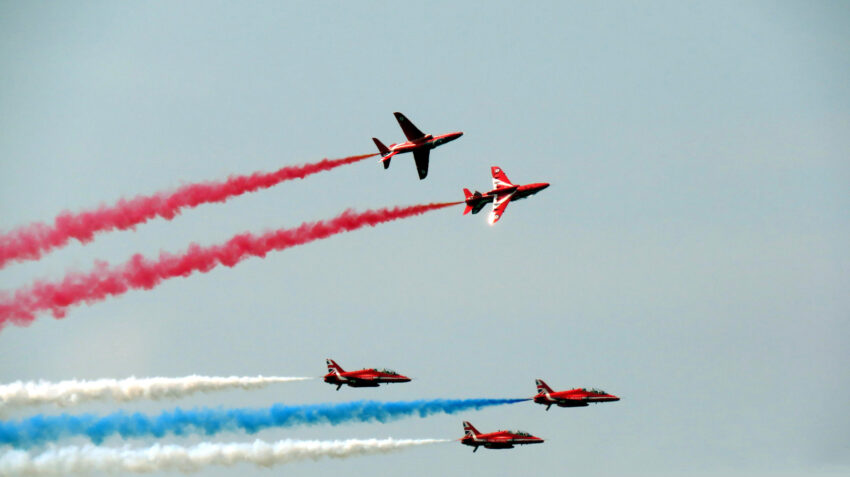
x: 474, y: 202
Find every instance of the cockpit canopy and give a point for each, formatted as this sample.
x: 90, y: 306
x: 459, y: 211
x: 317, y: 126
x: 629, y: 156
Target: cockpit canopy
x: 385, y: 371
x: 594, y: 390
x: 519, y: 433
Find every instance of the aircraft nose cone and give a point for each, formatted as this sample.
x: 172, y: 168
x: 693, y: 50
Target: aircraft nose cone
x: 614, y: 398
x: 544, y: 185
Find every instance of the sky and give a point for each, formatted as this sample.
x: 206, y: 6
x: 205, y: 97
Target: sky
x: 690, y: 255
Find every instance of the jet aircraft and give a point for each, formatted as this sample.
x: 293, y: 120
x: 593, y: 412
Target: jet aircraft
x: 419, y: 143
x: 503, y: 192
x: 495, y: 440
x: 578, y: 397
x: 363, y: 378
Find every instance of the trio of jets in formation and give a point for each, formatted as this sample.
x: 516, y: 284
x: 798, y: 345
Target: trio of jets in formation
x: 578, y: 397
x: 420, y: 144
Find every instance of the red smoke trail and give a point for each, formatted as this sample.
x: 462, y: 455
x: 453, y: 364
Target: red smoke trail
x: 32, y: 241
x: 139, y: 272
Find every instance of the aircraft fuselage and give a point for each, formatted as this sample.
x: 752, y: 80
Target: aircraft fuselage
x: 364, y: 381
x: 519, y: 192
x: 498, y: 440
x: 428, y: 141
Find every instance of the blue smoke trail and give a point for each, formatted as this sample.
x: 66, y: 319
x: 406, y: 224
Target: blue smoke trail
x: 39, y: 429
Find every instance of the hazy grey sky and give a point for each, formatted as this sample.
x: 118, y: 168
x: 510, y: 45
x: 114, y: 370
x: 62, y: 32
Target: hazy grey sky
x: 690, y: 256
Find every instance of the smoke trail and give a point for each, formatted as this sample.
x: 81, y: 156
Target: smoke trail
x: 32, y: 241
x: 142, y: 273
x: 40, y: 429
x: 88, y: 458
x: 71, y: 392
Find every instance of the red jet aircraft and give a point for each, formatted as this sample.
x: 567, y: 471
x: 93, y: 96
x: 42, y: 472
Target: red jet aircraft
x: 503, y: 192
x: 364, y: 378
x: 578, y: 397
x: 419, y: 143
x: 496, y: 440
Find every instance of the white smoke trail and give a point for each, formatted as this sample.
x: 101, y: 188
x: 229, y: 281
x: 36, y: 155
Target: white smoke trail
x: 89, y: 458
x: 69, y: 393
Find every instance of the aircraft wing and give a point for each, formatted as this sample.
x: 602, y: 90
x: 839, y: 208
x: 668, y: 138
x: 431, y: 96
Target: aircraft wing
x: 500, y: 179
x: 421, y: 158
x: 563, y: 400
x: 364, y: 378
x: 500, y: 442
x: 410, y: 131
x: 500, y: 203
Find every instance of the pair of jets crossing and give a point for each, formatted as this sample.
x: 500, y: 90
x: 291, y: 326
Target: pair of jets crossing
x: 420, y: 144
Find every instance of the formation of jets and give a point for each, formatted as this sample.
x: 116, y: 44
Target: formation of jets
x: 577, y: 397
x: 504, y: 191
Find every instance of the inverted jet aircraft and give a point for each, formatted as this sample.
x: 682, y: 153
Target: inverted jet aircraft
x: 503, y: 192
x: 578, y: 397
x: 419, y: 143
x: 363, y: 378
x: 496, y: 440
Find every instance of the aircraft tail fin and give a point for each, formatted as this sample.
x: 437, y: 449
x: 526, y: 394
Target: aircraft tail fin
x: 467, y: 195
x: 474, y: 202
x: 469, y: 429
x: 542, y: 387
x: 333, y: 367
x: 386, y: 154
x: 384, y: 150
